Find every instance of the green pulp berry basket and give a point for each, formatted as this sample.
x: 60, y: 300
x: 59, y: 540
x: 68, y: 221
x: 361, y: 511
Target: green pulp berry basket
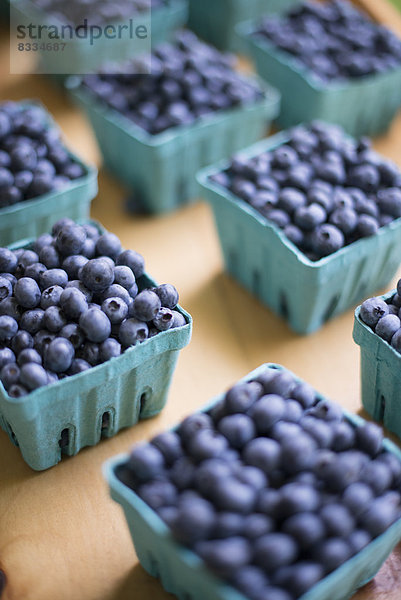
x: 161, y: 169
x: 78, y: 411
x: 81, y: 55
x: 215, y: 20
x: 380, y: 374
x: 31, y: 218
x: 305, y: 293
x: 364, y: 106
x: 183, y: 573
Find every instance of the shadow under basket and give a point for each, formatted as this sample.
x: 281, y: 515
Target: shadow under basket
x: 305, y: 293
x: 362, y: 106
x: 184, y: 574
x: 215, y: 21
x: 161, y: 169
x: 380, y: 374
x: 79, y: 411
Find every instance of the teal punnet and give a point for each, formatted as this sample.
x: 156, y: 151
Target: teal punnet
x: 183, y: 573
x: 215, y: 20
x: 31, y: 218
x: 380, y: 374
x: 305, y: 293
x: 161, y: 23
x: 363, y: 106
x: 160, y: 170
x: 96, y: 403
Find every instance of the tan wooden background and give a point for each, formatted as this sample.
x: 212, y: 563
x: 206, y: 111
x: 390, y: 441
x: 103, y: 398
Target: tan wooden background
x: 61, y: 537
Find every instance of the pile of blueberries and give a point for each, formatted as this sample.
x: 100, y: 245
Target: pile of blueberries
x: 272, y: 487
x: 71, y: 302
x: 333, y: 40
x: 96, y: 12
x: 189, y: 80
x: 323, y: 189
x: 384, y: 318
x: 33, y: 159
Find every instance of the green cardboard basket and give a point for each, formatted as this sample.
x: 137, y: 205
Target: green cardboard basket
x: 162, y: 23
x: 363, y: 106
x: 215, y: 20
x: 380, y: 374
x: 31, y: 218
x: 305, y: 293
x: 184, y: 574
x: 78, y: 411
x: 161, y: 169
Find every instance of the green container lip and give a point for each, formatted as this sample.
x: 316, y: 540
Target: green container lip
x: 268, y: 144
x: 369, y: 330
x: 36, y: 394
x: 271, y: 98
x: 120, y: 491
x: 90, y: 174
x: 247, y: 32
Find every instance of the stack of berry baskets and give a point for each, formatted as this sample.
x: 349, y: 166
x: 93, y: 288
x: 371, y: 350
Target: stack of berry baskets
x: 193, y: 109
x: 309, y: 221
x: 377, y: 330
x: 271, y: 492
x: 330, y: 62
x: 40, y: 180
x: 89, y: 341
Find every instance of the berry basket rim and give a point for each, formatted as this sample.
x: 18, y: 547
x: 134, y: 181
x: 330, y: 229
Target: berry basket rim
x: 122, y: 493
x: 268, y: 144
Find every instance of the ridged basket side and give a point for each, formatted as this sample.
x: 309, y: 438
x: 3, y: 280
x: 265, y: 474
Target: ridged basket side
x: 365, y: 106
x: 183, y: 574
x: 161, y: 170
x: 380, y: 375
x: 215, y: 21
x: 305, y: 293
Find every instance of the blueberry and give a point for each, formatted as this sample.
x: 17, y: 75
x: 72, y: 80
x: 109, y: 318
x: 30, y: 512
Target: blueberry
x: 35, y: 271
x: 89, y: 352
x: 116, y: 291
x: 73, y: 303
x: 33, y: 376
x: 58, y: 355
x: 53, y: 277
x: 237, y: 429
x: 275, y: 550
x: 9, y: 375
x: 337, y: 470
x: 54, y: 319
x: 95, y: 324
x: 124, y: 276
x: 182, y: 473
x: 343, y: 436
x: 301, y: 577
x: 108, y: 349
x: 321, y: 432
x: 194, y: 521
x: 132, y: 332
x: 332, y: 553
x: 17, y: 391
x: 168, y: 295
x: 263, y: 453
x: 278, y: 217
x: 7, y: 356
x: 146, y: 305
x: 21, y: 341
x: 115, y: 309
x: 228, y: 524
x: 395, y: 340
x: 297, y: 453
x: 42, y: 339
x: 27, y: 292
x: 29, y: 355
x: 267, y: 411
x: 395, y: 466
x: 8, y: 328
x: 6, y: 289
x: 70, y: 239
x: 164, y: 319
x: 193, y: 424
x: 389, y: 201
x: 369, y: 437
x: 169, y: 445
x: 205, y: 444
x: 291, y: 199
x: 380, y: 515
x: 252, y: 476
x: 178, y: 320
x: 366, y: 226
x: 388, y: 326
x: 108, y: 244
x: 358, y: 540
x: 306, y: 528
x: 337, y: 520
x: 345, y: 219
x: 73, y: 334
x: 146, y: 461
x: 8, y: 261
x: 48, y: 255
x: 97, y: 275
x: 326, y: 239
x: 158, y: 494
x: 277, y: 382
x: 225, y: 557
x: 241, y: 397
x: 298, y: 497
x: 326, y: 410
x: 309, y: 217
x: 250, y: 580
x: 133, y: 260
x: 357, y: 497
x: 372, y: 310
x: 72, y: 264
x: 256, y: 525
x: 304, y: 394
x: 377, y: 475
x: 80, y: 286
x: 295, y: 235
x: 78, y: 365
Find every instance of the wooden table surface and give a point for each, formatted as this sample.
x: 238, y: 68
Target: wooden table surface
x: 61, y: 536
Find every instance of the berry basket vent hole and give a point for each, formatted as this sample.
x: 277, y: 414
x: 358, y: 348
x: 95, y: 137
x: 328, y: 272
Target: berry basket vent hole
x: 12, y: 435
x: 382, y: 408
x: 144, y: 399
x: 331, y: 308
x: 107, y: 423
x: 65, y: 440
